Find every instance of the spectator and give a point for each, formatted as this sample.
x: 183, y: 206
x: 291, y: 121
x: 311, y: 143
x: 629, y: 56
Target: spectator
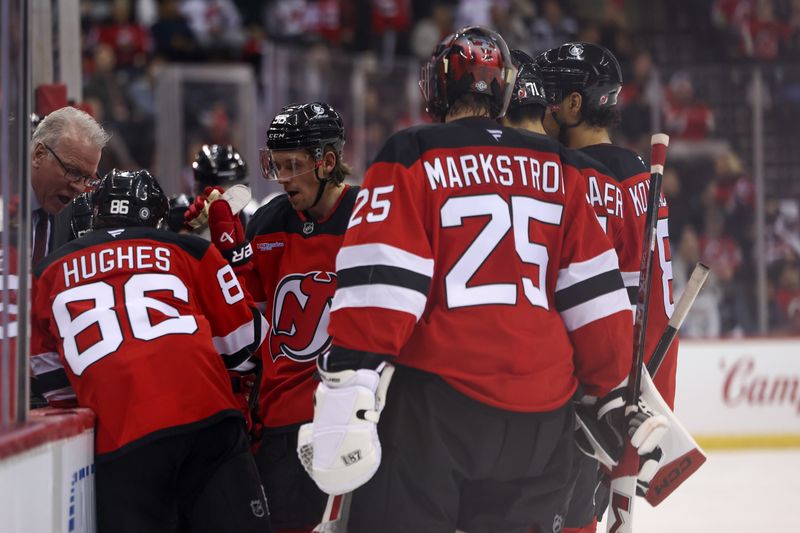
x: 787, y: 297
x: 172, y: 37
x: 764, y: 36
x: 430, y: 30
x: 129, y: 40
x: 216, y: 24
x: 684, y: 116
x: 637, y: 97
x: 474, y: 13
x: 704, y: 318
x: 783, y: 237
x: 552, y: 28
x: 105, y: 86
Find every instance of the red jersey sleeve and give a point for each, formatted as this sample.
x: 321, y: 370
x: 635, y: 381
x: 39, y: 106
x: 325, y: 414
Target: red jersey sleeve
x: 238, y: 328
x: 46, y: 365
x: 385, y: 265
x: 591, y: 297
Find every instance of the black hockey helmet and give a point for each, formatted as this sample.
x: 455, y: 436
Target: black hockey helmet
x: 476, y: 60
x: 586, y: 68
x: 219, y: 164
x: 310, y: 127
x: 81, y: 221
x: 128, y: 198
x: 528, y: 88
x: 178, y: 204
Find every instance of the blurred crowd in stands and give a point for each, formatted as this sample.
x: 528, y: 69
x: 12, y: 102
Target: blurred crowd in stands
x: 711, y: 192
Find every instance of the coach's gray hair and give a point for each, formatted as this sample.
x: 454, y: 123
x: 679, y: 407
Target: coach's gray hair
x: 70, y: 121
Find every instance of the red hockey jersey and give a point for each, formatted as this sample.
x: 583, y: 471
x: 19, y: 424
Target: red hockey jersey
x: 145, y: 323
x: 472, y: 254
x: 634, y: 177
x: 295, y: 279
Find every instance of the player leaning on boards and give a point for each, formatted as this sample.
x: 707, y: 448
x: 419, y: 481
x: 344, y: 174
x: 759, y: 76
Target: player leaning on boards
x: 295, y: 239
x: 474, y: 269
x: 145, y: 322
x: 582, y: 82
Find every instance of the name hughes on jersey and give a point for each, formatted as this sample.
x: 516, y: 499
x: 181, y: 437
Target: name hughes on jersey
x: 477, y: 169
x: 131, y: 257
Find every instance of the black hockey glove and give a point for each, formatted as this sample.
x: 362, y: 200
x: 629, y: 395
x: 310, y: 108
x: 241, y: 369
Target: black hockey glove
x: 601, y: 422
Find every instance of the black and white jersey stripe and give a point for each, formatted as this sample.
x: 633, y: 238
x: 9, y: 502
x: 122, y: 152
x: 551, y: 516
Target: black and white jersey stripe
x: 381, y: 275
x: 590, y: 290
x: 631, y: 281
x: 240, y: 344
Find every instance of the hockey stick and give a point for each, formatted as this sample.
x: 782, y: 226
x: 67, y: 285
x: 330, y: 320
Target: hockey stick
x: 623, y: 484
x: 334, y: 519
x: 693, y: 286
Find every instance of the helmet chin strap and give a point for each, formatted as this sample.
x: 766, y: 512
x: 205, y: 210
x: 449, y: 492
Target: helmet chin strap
x: 320, y: 191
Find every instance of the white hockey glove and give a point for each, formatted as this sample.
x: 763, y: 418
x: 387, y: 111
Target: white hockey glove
x: 600, y: 422
x: 340, y: 448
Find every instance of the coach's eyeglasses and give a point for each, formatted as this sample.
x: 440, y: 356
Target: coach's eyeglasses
x: 73, y: 175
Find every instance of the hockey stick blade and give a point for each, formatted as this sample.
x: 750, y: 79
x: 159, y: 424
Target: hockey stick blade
x: 684, y: 305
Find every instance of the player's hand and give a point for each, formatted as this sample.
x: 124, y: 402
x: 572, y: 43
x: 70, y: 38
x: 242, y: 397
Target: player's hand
x: 340, y: 448
x: 601, y: 425
x: 648, y: 467
x: 227, y: 234
x: 196, y: 216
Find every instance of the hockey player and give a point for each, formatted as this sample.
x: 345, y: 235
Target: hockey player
x: 582, y: 82
x: 145, y: 322
x: 475, y: 277
x: 216, y: 167
x: 295, y: 238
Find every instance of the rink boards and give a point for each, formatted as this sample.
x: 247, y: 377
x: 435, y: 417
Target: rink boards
x: 47, y: 473
x: 740, y: 393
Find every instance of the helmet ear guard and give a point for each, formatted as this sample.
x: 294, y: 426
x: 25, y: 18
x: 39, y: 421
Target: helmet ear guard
x: 128, y: 198
x: 475, y: 60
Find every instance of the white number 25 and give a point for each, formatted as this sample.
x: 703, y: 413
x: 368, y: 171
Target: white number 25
x: 379, y: 207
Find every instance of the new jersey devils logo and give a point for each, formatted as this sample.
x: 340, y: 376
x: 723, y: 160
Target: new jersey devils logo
x: 300, y: 316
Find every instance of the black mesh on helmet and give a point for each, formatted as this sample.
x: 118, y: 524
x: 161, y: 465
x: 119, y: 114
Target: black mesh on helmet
x: 217, y: 164
x: 309, y: 126
x: 128, y: 198
x: 586, y: 68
